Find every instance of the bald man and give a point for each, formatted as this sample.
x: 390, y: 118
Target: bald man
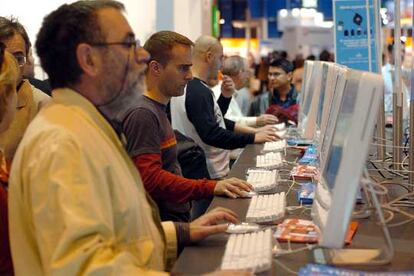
x: 199, y: 115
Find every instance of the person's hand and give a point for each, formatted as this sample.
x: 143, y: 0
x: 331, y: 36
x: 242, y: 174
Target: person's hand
x: 206, y: 225
x: 229, y: 273
x: 232, y: 187
x: 265, y: 134
x: 266, y: 119
x: 227, y: 87
x: 266, y: 128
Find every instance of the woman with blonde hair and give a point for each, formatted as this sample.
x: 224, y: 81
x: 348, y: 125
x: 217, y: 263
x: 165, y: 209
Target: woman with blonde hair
x: 8, y: 98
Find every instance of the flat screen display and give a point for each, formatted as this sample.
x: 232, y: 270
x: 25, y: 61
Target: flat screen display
x: 342, y: 124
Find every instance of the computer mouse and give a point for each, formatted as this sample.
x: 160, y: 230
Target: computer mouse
x: 248, y: 194
x: 242, y: 228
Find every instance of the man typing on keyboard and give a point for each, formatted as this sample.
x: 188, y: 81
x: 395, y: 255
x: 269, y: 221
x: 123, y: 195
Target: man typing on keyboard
x: 151, y: 140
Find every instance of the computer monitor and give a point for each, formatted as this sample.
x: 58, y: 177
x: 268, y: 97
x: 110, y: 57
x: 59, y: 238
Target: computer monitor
x: 307, y: 73
x: 310, y: 105
x: 333, y: 97
x: 352, y: 132
x: 326, y: 78
x: 306, y: 92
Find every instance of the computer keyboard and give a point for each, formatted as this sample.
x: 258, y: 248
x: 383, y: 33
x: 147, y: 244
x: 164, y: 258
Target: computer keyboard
x: 269, y: 160
x: 250, y: 252
x: 280, y: 126
x: 266, y: 208
x: 262, y: 180
x: 275, y: 146
x: 281, y: 133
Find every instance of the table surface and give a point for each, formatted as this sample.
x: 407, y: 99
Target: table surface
x: 206, y: 255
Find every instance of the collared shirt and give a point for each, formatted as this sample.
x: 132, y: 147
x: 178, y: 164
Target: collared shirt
x: 291, y: 98
x: 243, y: 98
x: 76, y: 201
x: 29, y: 102
x: 234, y: 112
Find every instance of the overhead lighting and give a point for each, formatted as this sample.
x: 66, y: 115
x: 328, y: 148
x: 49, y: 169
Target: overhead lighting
x: 295, y: 12
x: 283, y: 13
x: 222, y: 21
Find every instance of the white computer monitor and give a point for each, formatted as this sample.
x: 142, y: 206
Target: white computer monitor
x: 352, y: 132
x: 307, y: 73
x: 312, y: 99
x: 306, y: 92
x: 329, y: 86
x: 332, y: 101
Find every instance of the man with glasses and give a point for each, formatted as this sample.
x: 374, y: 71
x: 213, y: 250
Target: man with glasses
x: 236, y: 68
x: 282, y: 95
x: 282, y: 92
x: 77, y: 204
x: 29, y: 99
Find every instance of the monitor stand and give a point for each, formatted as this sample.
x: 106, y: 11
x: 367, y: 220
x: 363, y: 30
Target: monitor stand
x: 343, y: 257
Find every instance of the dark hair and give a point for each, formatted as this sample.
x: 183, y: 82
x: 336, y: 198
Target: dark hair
x: 62, y: 31
x: 282, y: 63
x: 311, y: 57
x: 160, y: 44
x: 325, y: 55
x: 10, y: 27
x: 390, y: 47
x: 283, y: 54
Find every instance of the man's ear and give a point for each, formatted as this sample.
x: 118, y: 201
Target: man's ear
x: 87, y: 59
x: 154, y: 67
x: 290, y: 76
x: 209, y: 56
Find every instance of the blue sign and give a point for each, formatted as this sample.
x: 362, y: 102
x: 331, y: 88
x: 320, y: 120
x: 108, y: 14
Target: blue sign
x: 351, y: 34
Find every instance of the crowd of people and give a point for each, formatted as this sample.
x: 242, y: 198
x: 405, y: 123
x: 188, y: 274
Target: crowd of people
x: 91, y: 160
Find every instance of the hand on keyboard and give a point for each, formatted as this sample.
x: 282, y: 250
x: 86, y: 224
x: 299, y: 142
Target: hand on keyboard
x: 262, y: 180
x: 265, y: 134
x: 206, y: 225
x: 232, y: 187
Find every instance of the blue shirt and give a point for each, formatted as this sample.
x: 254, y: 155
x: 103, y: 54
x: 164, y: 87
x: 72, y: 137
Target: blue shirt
x: 290, y: 98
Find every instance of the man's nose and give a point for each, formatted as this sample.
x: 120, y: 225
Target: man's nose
x: 141, y: 55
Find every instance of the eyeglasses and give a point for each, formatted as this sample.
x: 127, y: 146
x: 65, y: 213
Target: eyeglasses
x: 126, y: 44
x: 21, y: 59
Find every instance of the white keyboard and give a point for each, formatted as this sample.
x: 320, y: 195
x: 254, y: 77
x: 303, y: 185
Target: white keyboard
x: 280, y: 126
x: 266, y: 208
x: 262, y: 180
x: 251, y: 252
x: 281, y: 133
x: 275, y: 146
x: 269, y: 160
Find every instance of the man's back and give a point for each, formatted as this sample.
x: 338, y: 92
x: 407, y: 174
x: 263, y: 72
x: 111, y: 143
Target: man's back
x: 77, y: 204
x: 197, y: 105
